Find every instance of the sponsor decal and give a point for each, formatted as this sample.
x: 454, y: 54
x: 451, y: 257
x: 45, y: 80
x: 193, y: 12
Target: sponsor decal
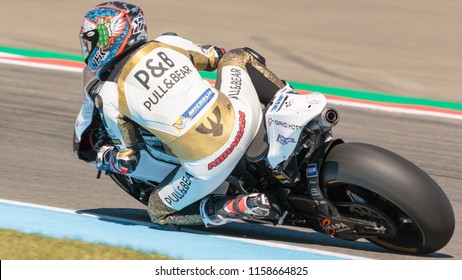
x: 285, y: 140
x: 157, y: 70
x: 288, y: 103
x: 236, y: 83
x: 313, y: 185
x: 272, y: 121
x: 215, y: 128
x: 237, y: 139
x: 138, y: 25
x: 315, y: 192
x: 277, y: 104
x: 180, y: 190
x: 99, y: 56
x: 312, y: 170
x: 194, y: 109
x: 331, y: 228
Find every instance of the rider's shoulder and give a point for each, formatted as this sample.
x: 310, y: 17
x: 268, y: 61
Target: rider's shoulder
x: 95, y: 87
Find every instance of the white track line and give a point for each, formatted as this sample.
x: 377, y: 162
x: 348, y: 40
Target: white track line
x: 41, y: 65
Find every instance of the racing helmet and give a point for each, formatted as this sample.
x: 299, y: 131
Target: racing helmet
x: 108, y: 31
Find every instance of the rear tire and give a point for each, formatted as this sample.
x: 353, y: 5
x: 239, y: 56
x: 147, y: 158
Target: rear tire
x: 420, y: 209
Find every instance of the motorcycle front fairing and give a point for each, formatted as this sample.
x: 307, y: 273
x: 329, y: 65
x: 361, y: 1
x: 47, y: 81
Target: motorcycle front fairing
x: 285, y: 119
x: 84, y: 119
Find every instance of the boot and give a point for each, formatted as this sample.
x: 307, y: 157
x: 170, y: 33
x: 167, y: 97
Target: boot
x: 218, y: 210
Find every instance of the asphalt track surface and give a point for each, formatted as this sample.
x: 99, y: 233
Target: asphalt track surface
x: 398, y: 47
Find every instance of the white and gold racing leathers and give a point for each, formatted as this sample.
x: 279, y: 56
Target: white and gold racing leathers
x: 208, y: 129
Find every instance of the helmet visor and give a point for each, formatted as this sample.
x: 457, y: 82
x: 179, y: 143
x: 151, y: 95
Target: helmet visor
x: 88, y: 42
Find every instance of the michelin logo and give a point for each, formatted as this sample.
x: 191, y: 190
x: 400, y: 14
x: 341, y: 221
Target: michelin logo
x: 312, y: 170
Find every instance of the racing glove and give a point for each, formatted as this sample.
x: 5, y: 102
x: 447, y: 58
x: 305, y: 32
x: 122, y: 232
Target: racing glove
x: 215, y: 54
x: 109, y: 159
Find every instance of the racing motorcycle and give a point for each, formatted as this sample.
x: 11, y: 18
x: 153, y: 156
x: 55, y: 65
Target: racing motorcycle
x: 345, y: 190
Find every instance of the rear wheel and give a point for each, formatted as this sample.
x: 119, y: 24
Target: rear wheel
x: 422, y: 214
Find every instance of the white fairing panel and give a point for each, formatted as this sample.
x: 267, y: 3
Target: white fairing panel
x: 145, y: 170
x: 285, y: 119
x: 85, y: 115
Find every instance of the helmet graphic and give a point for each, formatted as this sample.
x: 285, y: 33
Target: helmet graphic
x: 108, y: 30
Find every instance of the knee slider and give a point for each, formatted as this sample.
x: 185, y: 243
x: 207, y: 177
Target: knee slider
x: 258, y: 56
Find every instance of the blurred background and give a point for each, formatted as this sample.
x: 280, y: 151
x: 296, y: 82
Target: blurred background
x: 405, y: 47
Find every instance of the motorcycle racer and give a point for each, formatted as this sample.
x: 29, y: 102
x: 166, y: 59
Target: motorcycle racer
x: 155, y: 86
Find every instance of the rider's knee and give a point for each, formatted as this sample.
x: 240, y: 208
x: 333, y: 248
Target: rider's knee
x: 158, y: 211
x: 162, y: 215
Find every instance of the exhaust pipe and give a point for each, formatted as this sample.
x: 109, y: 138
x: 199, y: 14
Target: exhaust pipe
x: 331, y: 116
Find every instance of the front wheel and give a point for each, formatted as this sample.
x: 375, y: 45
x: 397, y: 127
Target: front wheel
x: 139, y: 190
x: 420, y: 210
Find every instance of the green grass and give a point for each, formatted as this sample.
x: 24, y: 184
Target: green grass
x: 19, y: 246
